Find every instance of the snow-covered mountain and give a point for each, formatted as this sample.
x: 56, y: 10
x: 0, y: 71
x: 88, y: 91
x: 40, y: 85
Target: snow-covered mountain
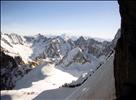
x: 14, y: 45
x: 74, y: 57
x: 41, y: 47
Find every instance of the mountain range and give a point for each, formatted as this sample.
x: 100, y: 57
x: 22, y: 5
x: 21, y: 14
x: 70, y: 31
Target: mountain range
x: 21, y: 54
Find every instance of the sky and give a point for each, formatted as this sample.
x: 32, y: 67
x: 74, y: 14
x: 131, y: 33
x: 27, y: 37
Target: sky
x: 99, y: 19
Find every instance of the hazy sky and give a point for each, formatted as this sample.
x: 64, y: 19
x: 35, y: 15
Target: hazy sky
x: 90, y: 18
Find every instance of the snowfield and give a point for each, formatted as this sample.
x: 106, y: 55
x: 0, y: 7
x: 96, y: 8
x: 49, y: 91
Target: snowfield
x: 43, y: 83
x: 44, y: 77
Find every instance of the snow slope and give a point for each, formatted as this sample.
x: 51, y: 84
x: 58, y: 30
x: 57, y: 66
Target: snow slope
x: 100, y: 86
x: 15, y: 45
x: 48, y: 75
x: 44, y: 77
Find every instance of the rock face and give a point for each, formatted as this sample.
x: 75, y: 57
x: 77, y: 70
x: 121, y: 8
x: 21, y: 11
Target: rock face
x: 117, y: 36
x: 125, y: 56
x: 12, y: 69
x: 94, y: 47
x: 8, y: 70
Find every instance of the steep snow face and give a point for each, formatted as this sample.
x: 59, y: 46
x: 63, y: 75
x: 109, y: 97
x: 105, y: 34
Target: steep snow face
x: 14, y: 45
x: 13, y: 38
x: 75, y: 55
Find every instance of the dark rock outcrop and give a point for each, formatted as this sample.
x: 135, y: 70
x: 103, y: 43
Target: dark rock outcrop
x: 117, y: 36
x: 8, y: 70
x: 125, y: 50
x: 12, y: 69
